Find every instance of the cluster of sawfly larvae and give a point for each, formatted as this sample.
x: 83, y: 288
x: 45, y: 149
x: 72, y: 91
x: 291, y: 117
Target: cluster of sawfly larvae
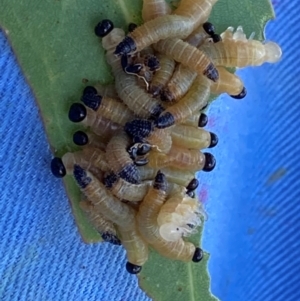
x: 145, y: 136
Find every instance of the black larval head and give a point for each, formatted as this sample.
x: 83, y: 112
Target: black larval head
x: 241, y: 95
x: 160, y: 181
x: 103, y: 28
x: 111, y: 238
x: 57, y: 168
x: 165, y: 120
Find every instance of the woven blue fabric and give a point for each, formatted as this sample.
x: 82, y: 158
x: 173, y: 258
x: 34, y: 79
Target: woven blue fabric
x: 252, y: 197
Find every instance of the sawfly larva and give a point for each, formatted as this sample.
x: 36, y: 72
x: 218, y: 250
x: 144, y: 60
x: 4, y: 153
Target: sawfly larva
x: 105, y: 227
x: 117, y: 212
x: 186, y: 18
x: 196, y: 98
x: 135, y: 97
x: 228, y: 83
x: 133, y: 192
x: 236, y: 51
x: 149, y: 229
x: 107, y: 107
x: 174, y: 175
x: 182, y: 158
x: 99, y: 125
x: 192, y: 137
x: 189, y: 56
x: 119, y: 160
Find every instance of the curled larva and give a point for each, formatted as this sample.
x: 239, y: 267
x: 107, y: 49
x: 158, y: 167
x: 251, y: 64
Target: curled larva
x: 179, y: 216
x: 236, y: 51
x: 108, y: 90
x: 89, y: 158
x: 99, y: 125
x: 133, y: 192
x: 119, y: 160
x: 174, y: 175
x: 184, y: 76
x: 187, y: 17
x: 162, y: 76
x: 189, y: 56
x: 88, y: 139
x: 154, y: 8
x: 105, y: 227
x: 192, y: 137
x: 107, y: 107
x: 149, y: 229
x: 228, y: 83
x: 117, y: 212
x: 196, y: 119
x: 196, y: 98
x: 135, y: 97
x: 182, y: 158
x: 160, y: 139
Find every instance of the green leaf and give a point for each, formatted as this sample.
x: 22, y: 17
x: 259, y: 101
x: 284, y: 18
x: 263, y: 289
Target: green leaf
x: 59, y: 54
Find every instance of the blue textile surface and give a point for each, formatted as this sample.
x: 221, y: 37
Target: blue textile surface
x: 252, y: 197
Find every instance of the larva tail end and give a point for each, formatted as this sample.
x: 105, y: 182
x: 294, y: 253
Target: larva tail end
x: 111, y: 238
x: 193, y: 185
x: 210, y: 162
x: 77, y: 112
x: 154, y: 90
x: 80, y: 138
x: 127, y: 46
x: 198, y: 255
x: 211, y: 72
x: 130, y: 174
x: 213, y: 140
x: 57, y: 168
x: 241, y: 95
x: 133, y: 268
x: 91, y: 98
x: 141, y: 128
x: 153, y: 63
x: 203, y: 120
x: 81, y: 177
x: 209, y: 28
x: 110, y: 179
x: 166, y: 95
x: 103, y: 28
x: 273, y: 52
x: 165, y: 120
x: 132, y: 27
x: 160, y: 181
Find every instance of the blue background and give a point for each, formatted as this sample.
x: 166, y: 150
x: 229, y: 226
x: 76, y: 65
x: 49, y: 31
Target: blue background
x: 252, y: 197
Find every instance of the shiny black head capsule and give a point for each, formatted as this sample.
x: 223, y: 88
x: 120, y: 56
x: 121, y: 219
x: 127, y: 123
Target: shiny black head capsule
x: 198, y: 255
x: 91, y: 99
x: 77, y: 112
x: 193, y: 185
x: 191, y: 194
x: 213, y: 140
x: 57, y: 168
x: 133, y: 268
x: 216, y: 38
x: 132, y: 27
x: 203, y: 120
x: 80, y: 138
x: 164, y: 120
x: 153, y: 63
x: 210, y: 162
x: 89, y: 89
x: 103, y: 28
x: 241, y: 95
x: 209, y: 28
x: 211, y: 72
